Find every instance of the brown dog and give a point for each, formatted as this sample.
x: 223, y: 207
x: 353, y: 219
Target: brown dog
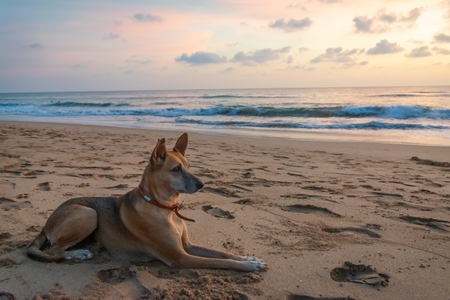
x: 131, y: 228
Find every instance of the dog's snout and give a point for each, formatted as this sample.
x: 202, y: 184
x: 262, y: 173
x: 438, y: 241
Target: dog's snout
x: 199, y: 184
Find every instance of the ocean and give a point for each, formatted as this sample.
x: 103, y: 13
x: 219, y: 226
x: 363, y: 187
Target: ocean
x: 407, y: 115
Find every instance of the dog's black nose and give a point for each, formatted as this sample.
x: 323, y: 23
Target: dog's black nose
x: 199, y: 184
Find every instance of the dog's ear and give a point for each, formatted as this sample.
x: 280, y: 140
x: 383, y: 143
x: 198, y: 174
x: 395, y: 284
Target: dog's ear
x: 181, y: 144
x: 159, y: 153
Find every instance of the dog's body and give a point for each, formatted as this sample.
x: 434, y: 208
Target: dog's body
x: 130, y: 228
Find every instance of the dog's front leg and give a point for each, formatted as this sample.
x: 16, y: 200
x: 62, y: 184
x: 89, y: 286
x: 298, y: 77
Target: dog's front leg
x: 201, y: 251
x: 211, y: 253
x: 196, y: 262
x: 172, y: 252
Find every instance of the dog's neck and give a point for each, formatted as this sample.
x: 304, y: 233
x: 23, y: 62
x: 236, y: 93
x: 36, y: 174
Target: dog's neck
x: 152, y: 193
x: 174, y: 207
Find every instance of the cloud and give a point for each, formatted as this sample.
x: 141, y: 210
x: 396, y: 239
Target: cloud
x: 387, y: 17
x: 147, y: 17
x: 384, y: 47
x: 442, y: 51
x: 291, y: 25
x: 384, y: 21
x: 297, y: 6
x: 259, y: 56
x: 442, y: 38
x: 413, y: 15
x: 337, y: 55
x: 201, y: 58
x: 419, y: 52
x: 33, y: 46
x: 363, y: 24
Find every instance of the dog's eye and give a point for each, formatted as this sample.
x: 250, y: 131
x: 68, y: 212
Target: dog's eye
x: 177, y: 168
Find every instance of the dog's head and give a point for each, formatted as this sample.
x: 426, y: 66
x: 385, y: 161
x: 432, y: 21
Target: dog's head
x: 168, y: 171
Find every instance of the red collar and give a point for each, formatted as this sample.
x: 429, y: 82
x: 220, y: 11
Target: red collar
x: 175, y: 208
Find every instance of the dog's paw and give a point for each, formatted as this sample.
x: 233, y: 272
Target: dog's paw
x: 257, y: 265
x: 254, y: 264
x: 81, y: 254
x: 249, y: 258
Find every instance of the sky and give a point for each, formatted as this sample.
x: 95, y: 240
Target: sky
x: 99, y: 45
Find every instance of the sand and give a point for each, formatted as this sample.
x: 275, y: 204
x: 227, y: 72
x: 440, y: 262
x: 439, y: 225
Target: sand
x: 332, y: 220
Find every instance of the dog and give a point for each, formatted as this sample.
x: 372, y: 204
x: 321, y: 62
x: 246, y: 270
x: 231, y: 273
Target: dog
x: 139, y: 226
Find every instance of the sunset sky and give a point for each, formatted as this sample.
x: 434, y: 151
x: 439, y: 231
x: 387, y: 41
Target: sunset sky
x: 89, y: 45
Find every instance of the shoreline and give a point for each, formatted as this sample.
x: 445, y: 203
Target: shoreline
x: 332, y: 137
x: 303, y: 207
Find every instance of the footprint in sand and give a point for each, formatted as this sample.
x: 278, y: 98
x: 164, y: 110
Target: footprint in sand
x: 430, y: 162
x: 22, y: 196
x: 359, y: 274
x: 7, y: 204
x: 308, y: 208
x: 248, y: 174
x: 373, y: 226
x: 119, y: 187
x: 217, y: 212
x: 6, y: 296
x: 33, y: 172
x: 4, y: 200
x: 44, y: 186
x: 5, y: 236
x: 358, y: 230
x: 245, y: 201
x: 387, y: 194
x: 429, y: 222
x: 116, y: 275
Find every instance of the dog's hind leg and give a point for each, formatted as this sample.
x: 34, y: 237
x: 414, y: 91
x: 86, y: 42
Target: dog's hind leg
x: 66, y: 227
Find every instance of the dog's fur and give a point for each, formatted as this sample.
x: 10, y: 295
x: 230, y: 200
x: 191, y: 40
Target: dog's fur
x: 130, y: 228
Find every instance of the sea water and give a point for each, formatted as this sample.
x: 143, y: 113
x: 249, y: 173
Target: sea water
x: 416, y: 115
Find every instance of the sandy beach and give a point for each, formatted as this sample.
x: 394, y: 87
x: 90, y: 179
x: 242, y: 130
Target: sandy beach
x: 332, y: 220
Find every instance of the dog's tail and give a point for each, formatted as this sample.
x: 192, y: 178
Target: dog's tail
x: 34, y: 250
